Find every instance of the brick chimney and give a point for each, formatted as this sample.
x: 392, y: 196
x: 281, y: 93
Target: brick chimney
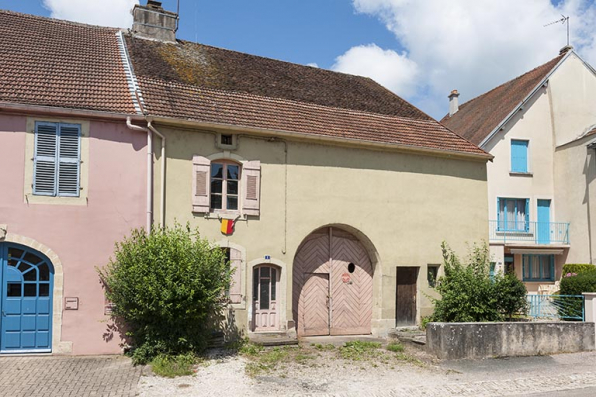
x: 153, y: 22
x: 453, y: 102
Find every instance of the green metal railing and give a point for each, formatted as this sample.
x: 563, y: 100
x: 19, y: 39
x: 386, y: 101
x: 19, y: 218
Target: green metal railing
x: 556, y: 307
x: 530, y: 232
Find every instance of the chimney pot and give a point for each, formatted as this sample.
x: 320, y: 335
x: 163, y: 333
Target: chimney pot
x: 565, y: 49
x: 153, y: 22
x: 453, y: 102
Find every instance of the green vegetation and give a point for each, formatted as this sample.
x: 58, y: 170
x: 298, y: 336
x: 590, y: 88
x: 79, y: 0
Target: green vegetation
x: 167, y: 288
x: 172, y: 366
x: 469, y: 293
x: 572, y: 268
x: 581, y: 282
x: 395, y: 347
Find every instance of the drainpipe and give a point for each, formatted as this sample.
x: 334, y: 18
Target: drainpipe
x: 162, y: 193
x: 149, y: 169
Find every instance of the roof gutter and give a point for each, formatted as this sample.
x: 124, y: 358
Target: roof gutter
x: 65, y: 112
x: 149, y: 193
x: 520, y: 106
x: 321, y: 138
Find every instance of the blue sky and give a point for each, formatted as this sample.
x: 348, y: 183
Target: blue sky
x: 420, y: 49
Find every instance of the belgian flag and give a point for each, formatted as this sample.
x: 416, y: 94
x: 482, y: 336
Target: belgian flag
x: 227, y: 226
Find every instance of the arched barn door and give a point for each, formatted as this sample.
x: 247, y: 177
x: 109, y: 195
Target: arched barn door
x: 26, y: 284
x: 332, y: 285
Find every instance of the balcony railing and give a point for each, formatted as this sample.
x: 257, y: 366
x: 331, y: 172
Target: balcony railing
x: 529, y: 232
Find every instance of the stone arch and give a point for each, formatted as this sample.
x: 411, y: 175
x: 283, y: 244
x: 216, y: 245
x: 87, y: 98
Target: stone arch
x: 58, y: 346
x: 333, y: 278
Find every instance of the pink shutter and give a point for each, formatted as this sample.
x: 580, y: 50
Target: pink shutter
x: 251, y: 175
x: 235, y: 285
x: 201, y: 168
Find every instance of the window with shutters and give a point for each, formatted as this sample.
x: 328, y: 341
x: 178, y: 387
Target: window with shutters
x: 57, y: 159
x: 225, y: 186
x: 519, y: 156
x: 513, y: 214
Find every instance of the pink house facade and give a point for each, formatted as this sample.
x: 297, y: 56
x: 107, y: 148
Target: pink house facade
x: 73, y: 182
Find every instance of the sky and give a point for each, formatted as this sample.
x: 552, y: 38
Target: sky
x: 419, y: 49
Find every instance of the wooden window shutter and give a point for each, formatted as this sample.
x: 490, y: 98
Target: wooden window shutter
x: 44, y: 160
x: 236, y: 283
x: 251, y: 175
x: 201, y: 183
x: 69, y: 160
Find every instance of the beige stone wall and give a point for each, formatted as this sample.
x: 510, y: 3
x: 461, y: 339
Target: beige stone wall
x: 401, y: 205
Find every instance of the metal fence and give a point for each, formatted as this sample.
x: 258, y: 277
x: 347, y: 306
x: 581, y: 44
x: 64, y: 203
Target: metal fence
x: 556, y: 307
x: 529, y: 232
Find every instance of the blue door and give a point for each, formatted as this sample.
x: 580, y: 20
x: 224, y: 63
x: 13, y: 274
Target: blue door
x: 543, y: 225
x: 26, y: 280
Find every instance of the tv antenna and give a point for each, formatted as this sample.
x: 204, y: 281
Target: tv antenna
x: 564, y: 20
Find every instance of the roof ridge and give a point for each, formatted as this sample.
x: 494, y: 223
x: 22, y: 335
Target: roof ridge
x: 511, y: 80
x: 57, y: 20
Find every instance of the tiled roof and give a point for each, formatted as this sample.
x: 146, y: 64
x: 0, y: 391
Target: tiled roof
x: 478, y: 117
x: 50, y: 62
x: 184, y: 101
x: 201, y: 83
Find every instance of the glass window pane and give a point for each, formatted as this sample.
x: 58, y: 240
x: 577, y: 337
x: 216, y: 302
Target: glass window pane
x: 545, y: 264
x: 44, y: 272
x: 233, y: 171
x: 264, y: 294
x: 535, y: 272
x: 255, y: 284
x: 216, y: 170
x: 30, y: 289
x: 232, y: 187
x: 215, y: 202
x: 44, y: 289
x: 273, y: 283
x: 216, y: 186
x: 232, y: 202
x: 23, y: 267
x: 15, y: 253
x: 31, y: 275
x: 265, y: 272
x: 32, y: 259
x: 13, y: 289
x: 526, y: 266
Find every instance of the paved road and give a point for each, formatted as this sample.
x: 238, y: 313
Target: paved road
x: 51, y: 376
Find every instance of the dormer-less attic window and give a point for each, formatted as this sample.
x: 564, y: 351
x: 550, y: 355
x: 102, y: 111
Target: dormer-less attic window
x: 226, y: 141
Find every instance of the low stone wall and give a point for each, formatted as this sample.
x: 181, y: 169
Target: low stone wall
x: 481, y: 340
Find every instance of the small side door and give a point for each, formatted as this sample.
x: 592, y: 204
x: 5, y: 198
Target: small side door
x: 315, y: 295
x: 406, y: 290
x: 265, y: 298
x: 543, y: 225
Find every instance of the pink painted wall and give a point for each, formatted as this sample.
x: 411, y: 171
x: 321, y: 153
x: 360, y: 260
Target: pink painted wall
x: 83, y: 237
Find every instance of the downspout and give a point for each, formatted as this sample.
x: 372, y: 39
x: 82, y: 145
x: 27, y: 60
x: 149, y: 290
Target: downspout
x: 162, y: 193
x: 133, y: 127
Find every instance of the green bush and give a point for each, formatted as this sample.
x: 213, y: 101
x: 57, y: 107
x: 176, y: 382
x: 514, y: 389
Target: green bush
x: 578, y: 268
x: 575, y: 285
x: 166, y: 287
x: 470, y: 294
x: 172, y: 366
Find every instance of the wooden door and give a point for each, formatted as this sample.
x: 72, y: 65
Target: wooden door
x: 406, y: 290
x: 316, y: 305
x: 265, y: 295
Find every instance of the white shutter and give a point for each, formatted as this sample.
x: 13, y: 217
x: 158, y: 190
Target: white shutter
x: 44, y: 161
x: 201, y: 184
x: 251, y: 177
x: 69, y: 160
x: 235, y: 284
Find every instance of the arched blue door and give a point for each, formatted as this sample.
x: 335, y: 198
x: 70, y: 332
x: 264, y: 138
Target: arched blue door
x: 26, y: 281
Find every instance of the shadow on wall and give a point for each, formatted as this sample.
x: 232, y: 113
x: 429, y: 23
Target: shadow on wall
x: 225, y: 328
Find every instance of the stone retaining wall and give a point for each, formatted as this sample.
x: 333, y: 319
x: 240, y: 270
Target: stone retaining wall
x: 480, y: 340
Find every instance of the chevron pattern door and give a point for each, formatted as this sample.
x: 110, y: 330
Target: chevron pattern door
x: 332, y: 284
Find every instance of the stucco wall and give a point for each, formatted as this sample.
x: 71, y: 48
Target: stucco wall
x: 82, y: 236
x: 403, y: 206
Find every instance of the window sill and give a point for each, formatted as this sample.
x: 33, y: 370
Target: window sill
x: 55, y: 200
x: 515, y: 173
x: 233, y: 215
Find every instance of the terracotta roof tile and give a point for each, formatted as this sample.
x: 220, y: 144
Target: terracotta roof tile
x: 57, y: 63
x: 188, y: 102
x: 478, y: 117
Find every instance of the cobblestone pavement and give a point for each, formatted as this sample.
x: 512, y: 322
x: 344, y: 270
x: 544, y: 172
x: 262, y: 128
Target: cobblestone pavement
x: 49, y: 376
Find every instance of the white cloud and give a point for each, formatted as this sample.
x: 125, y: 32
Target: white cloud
x: 473, y: 46
x: 114, y: 13
x: 390, y: 69
x: 313, y: 64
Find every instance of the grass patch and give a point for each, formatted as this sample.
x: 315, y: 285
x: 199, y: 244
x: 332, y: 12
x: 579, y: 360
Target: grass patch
x: 395, y: 347
x: 407, y: 358
x: 319, y: 346
x: 359, y: 350
x: 267, y: 360
x: 173, y: 366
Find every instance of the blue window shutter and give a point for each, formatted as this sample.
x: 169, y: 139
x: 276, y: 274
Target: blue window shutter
x: 69, y: 146
x: 527, y: 220
x: 519, y: 156
x: 45, y: 159
x: 499, y: 227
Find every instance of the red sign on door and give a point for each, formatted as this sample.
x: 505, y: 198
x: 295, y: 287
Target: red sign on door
x: 345, y: 278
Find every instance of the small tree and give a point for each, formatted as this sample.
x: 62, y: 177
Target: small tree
x: 166, y: 286
x: 470, y: 294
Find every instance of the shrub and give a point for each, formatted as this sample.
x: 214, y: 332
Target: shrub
x: 470, y: 294
x: 167, y: 287
x: 578, y: 268
x: 575, y: 285
x: 172, y: 366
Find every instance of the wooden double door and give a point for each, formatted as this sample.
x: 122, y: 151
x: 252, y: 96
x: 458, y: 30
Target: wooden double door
x: 332, y: 285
